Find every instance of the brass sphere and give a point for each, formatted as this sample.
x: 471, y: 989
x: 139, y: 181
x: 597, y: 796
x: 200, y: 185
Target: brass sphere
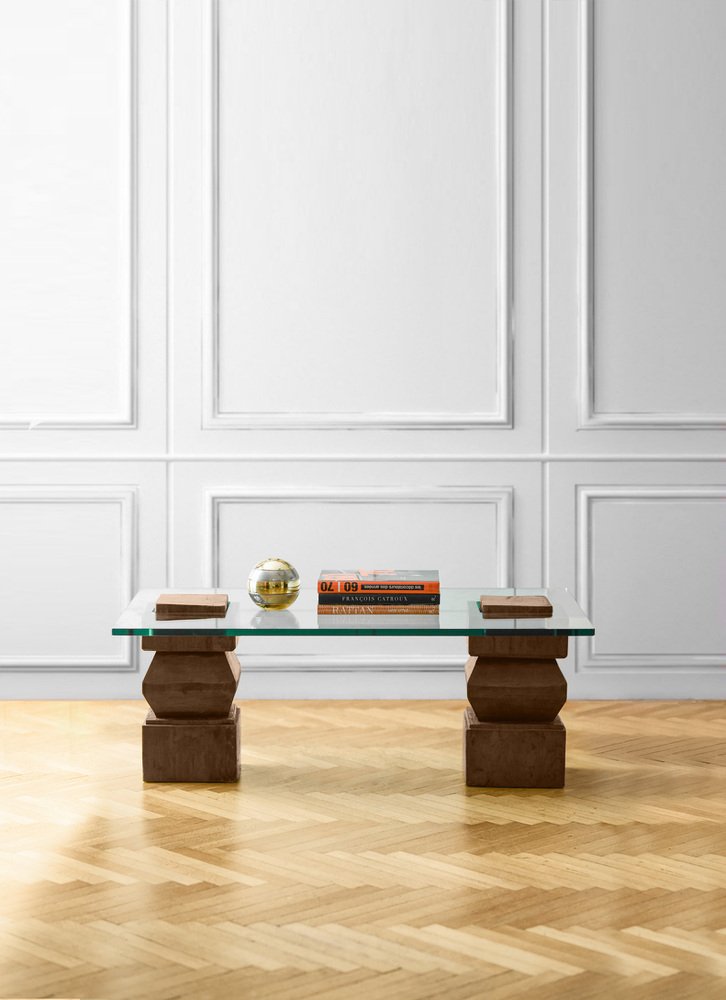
x: 273, y: 584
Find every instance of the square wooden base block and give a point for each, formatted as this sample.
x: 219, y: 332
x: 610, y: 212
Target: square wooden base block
x: 191, y: 749
x: 513, y: 754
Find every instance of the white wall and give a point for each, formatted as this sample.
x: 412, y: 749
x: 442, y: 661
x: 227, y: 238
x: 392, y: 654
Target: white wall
x: 457, y: 265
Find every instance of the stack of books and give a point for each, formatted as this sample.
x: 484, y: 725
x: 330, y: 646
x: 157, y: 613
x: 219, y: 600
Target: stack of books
x: 378, y: 592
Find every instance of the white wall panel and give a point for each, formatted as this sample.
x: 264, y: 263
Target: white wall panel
x: 81, y: 216
x: 69, y: 552
x: 77, y: 539
x: 655, y: 124
x: 68, y: 205
x: 228, y: 516
x: 644, y: 548
x: 375, y: 527
x: 371, y: 526
x: 361, y: 261
x: 635, y: 212
x: 634, y: 149
x: 360, y: 214
x: 671, y: 547
x: 380, y: 220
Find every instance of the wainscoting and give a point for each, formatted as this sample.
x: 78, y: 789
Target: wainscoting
x: 397, y: 282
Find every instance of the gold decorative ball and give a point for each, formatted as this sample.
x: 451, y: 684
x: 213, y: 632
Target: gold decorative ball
x: 273, y: 584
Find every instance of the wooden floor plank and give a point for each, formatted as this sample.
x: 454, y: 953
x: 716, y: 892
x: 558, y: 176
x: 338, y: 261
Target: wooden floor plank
x: 352, y: 862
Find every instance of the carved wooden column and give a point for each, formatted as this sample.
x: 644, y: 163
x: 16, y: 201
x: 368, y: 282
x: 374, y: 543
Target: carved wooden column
x: 513, y: 737
x: 192, y: 732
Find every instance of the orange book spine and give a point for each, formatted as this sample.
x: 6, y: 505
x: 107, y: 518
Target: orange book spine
x: 379, y: 587
x: 378, y: 609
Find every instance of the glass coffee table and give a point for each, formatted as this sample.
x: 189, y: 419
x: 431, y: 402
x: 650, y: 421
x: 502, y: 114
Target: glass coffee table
x: 513, y: 736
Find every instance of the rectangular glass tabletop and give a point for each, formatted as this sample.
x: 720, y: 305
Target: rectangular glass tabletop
x: 459, y: 615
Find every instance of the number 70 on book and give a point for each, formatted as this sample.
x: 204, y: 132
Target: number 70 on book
x: 329, y: 586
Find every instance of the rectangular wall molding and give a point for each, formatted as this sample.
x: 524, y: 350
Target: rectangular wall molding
x: 213, y: 415
x: 587, y: 498
x: 501, y: 498
x: 127, y: 417
x: 125, y: 501
x: 590, y: 417
x: 454, y: 231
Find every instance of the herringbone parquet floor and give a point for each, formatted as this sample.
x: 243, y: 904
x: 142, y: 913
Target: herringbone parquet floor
x: 352, y: 862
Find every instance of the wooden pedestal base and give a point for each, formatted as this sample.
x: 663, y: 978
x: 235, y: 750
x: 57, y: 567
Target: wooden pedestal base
x: 513, y: 736
x: 192, y: 731
x: 513, y: 754
x: 191, y: 749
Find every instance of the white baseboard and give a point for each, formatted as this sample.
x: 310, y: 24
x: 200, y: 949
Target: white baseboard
x: 341, y: 684
x: 356, y: 683
x: 270, y: 684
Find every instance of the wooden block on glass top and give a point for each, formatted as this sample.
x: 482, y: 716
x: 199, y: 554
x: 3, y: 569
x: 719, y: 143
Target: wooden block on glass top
x: 180, y: 606
x: 498, y: 606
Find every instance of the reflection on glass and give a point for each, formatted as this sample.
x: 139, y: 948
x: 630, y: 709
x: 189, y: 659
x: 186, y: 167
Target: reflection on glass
x: 372, y: 623
x: 274, y: 619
